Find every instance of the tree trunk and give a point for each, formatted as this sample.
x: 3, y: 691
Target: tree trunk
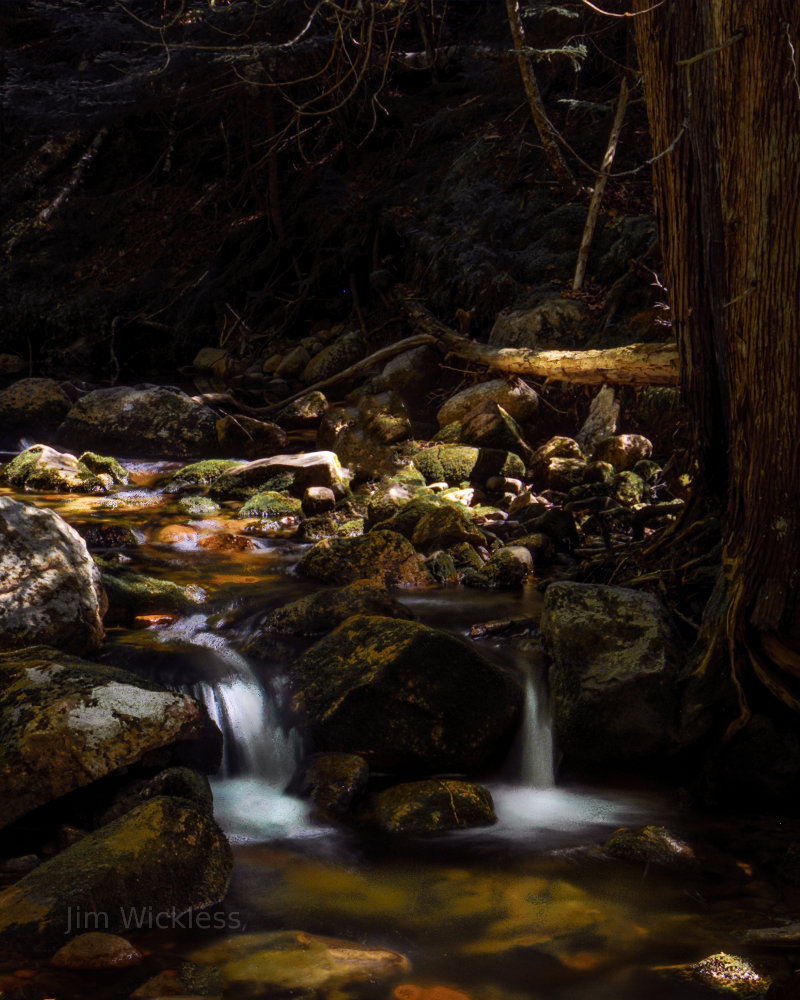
x: 728, y: 206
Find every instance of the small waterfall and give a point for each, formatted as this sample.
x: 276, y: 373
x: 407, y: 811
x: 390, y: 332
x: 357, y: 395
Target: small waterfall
x: 537, y: 769
x: 260, y: 753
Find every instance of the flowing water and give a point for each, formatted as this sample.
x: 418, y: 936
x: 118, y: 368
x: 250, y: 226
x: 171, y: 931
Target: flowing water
x: 530, y: 907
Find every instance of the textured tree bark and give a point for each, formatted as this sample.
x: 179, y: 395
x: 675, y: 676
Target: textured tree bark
x: 728, y: 205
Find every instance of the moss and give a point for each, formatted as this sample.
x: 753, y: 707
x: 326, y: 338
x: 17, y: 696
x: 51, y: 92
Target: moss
x: 131, y: 593
x: 197, y: 474
x: 455, y: 464
x: 43, y: 469
x: 381, y: 556
x: 105, y: 465
x: 198, y: 506
x: 431, y: 806
x: 270, y: 505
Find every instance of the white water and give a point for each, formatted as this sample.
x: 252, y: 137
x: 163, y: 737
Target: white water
x: 538, y: 764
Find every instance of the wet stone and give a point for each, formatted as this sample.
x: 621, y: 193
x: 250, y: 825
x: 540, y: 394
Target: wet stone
x: 95, y: 950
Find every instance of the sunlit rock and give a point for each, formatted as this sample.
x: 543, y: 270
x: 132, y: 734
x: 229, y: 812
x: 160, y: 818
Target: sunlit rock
x: 515, y: 397
x: 50, y: 589
x: 42, y: 469
x: 728, y: 975
x: 382, y: 557
x: 454, y: 464
x: 68, y: 722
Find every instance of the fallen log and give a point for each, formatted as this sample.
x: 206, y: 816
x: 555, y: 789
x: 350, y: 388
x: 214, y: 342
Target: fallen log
x: 633, y: 364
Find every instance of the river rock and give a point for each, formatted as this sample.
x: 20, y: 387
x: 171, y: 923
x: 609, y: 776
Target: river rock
x: 515, y: 396
x: 271, y: 506
x: 298, y: 472
x: 161, y: 859
x: 455, y: 464
x: 728, y: 975
x: 294, y: 963
x: 249, y: 437
x: 318, y: 500
x: 332, y: 781
x: 623, y: 451
x: 50, y: 589
x: 33, y: 405
x: 322, y: 611
x: 68, y: 722
x: 381, y: 557
x: 601, y: 421
x: 197, y: 475
x: 544, y: 326
x: 342, y: 353
x: 152, y: 422
x: 508, y: 567
x: 616, y: 662
x: 652, y: 845
x: 96, y: 950
x: 405, y: 696
x: 307, y: 411
x: 411, y: 374
x: 432, y: 521
x: 430, y: 806
x: 42, y: 469
x: 491, y: 426
x: 131, y: 593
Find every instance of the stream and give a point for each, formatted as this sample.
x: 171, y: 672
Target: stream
x: 530, y: 907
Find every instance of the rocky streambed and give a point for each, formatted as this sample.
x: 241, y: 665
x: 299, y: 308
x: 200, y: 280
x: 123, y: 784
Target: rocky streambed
x: 382, y: 603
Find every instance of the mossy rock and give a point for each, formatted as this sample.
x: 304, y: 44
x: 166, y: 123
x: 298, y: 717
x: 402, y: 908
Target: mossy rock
x: 42, y: 469
x: 405, y: 697
x: 294, y: 473
x: 32, y: 404
x: 332, y: 781
x: 68, y: 722
x: 333, y: 359
x: 271, y: 506
x: 198, y: 506
x: 197, y: 475
x: 383, y: 557
x: 651, y: 845
x: 322, y: 611
x: 164, y: 854
x: 454, y: 464
x: 507, y: 568
x: 629, y: 488
x: 104, y: 465
x: 131, y: 593
x: 431, y: 521
x: 431, y: 806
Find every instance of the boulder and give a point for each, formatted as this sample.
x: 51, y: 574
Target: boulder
x: 616, y: 662
x: 297, y: 964
x: 42, y: 469
x: 50, y: 589
x: 601, y: 421
x: 243, y: 435
x: 381, y: 557
x: 491, y: 426
x: 514, y: 396
x: 161, y: 859
x: 332, y: 781
x: 623, y: 451
x: 32, y: 405
x: 318, y: 500
x: 545, y: 326
x: 342, y: 353
x: 67, y: 722
x: 197, y: 475
x: 323, y: 610
x: 431, y: 521
x: 271, y: 506
x: 507, y: 567
x: 455, y: 464
x: 405, y: 696
x: 152, y: 422
x: 307, y: 411
x: 430, y: 806
x: 411, y: 374
x: 314, y: 468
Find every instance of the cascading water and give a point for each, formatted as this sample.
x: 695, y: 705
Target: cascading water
x: 538, y: 766
x: 260, y: 753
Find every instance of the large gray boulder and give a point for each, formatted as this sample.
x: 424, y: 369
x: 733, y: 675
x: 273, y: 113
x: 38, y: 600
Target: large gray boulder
x: 159, y: 860
x: 616, y: 662
x: 50, y: 589
x: 406, y: 697
x: 67, y: 722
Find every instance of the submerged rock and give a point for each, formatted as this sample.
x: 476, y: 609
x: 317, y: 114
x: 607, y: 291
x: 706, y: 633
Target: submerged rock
x: 163, y: 858
x: 50, y: 589
x: 67, y: 722
x: 381, y: 557
x: 283, y: 963
x: 405, y: 696
x: 615, y: 671
x: 131, y: 593
x: 430, y: 806
x: 96, y: 950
